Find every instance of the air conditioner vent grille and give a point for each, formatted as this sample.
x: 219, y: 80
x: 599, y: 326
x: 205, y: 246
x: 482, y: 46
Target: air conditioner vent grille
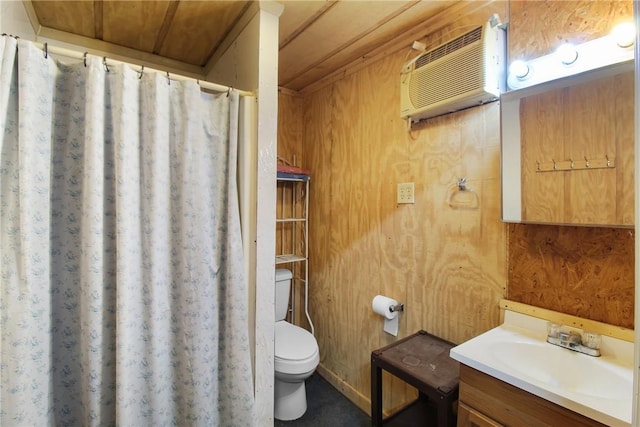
x: 449, y: 79
x: 450, y: 47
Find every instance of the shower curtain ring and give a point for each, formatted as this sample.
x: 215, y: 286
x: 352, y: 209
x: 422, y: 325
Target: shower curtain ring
x: 141, y: 71
x: 84, y: 56
x: 168, y: 79
x: 46, y: 50
x: 104, y: 62
x: 229, y: 91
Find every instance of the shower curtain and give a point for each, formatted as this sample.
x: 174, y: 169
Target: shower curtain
x: 123, y: 299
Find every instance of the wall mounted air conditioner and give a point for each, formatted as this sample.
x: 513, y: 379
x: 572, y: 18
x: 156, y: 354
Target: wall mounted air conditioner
x: 464, y: 72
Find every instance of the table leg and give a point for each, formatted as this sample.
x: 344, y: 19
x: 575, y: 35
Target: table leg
x: 376, y: 395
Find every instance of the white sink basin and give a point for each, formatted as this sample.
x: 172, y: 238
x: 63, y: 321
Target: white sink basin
x: 565, y: 369
x: 517, y: 352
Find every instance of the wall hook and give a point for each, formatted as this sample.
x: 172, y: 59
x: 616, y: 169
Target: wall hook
x: 462, y: 184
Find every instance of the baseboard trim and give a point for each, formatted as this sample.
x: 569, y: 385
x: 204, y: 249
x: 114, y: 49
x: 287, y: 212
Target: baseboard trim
x: 358, y: 399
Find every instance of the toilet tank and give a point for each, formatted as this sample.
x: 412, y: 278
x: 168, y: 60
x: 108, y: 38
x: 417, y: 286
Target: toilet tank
x: 283, y: 288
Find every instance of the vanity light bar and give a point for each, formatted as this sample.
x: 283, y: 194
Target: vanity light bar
x: 568, y: 60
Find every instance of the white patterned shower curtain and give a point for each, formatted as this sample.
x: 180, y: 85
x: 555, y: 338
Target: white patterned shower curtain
x: 123, y: 299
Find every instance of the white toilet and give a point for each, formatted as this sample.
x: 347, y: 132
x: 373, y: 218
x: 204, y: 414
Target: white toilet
x: 296, y: 356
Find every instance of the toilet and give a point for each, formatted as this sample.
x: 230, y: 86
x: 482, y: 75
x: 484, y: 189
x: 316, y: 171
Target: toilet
x: 296, y: 356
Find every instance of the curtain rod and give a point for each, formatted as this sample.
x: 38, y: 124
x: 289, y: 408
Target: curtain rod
x: 70, y: 53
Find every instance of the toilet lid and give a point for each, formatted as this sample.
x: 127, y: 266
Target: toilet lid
x: 293, y: 343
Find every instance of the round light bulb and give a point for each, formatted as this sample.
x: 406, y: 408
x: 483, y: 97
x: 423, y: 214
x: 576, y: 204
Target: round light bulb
x: 519, y: 69
x: 567, y: 54
x: 624, y: 34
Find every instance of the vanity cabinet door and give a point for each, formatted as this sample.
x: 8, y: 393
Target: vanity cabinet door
x: 507, y: 405
x: 469, y: 417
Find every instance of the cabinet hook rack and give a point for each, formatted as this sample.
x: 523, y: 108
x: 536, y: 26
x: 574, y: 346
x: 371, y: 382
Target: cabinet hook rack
x: 570, y: 164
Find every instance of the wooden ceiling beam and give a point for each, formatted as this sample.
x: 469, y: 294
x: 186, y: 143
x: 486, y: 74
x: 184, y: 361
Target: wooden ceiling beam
x: 98, y: 19
x: 309, y: 22
x: 353, y: 40
x: 166, y: 25
x: 429, y: 26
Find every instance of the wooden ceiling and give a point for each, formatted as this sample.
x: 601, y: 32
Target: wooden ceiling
x: 316, y: 37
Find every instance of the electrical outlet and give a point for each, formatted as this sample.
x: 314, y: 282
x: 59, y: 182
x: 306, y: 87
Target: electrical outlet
x: 405, y: 193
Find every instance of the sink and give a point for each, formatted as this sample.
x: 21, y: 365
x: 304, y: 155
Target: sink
x: 565, y: 369
x: 517, y: 353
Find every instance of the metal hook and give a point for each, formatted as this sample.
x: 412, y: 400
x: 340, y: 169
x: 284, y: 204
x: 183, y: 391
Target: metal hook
x: 104, y: 62
x: 462, y: 184
x: 608, y: 161
x: 537, y: 165
x: 555, y: 165
x: 46, y: 50
x: 168, y: 79
x: 586, y: 162
x: 572, y: 165
x: 85, y: 58
x: 229, y: 91
x: 141, y: 72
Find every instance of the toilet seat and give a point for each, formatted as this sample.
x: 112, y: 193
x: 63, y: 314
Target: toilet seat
x: 296, y: 350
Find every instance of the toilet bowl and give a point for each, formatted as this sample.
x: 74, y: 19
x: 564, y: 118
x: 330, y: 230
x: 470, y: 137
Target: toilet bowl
x: 296, y: 357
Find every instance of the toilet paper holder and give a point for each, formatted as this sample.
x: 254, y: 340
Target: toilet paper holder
x: 397, y: 307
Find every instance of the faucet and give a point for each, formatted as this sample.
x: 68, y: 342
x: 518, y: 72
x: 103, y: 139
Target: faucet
x: 587, y: 342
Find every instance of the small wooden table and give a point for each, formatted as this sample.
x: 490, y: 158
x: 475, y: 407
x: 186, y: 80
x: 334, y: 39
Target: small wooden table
x: 421, y: 360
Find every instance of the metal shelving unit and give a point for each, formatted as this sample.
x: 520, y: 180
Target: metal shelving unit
x: 293, y: 228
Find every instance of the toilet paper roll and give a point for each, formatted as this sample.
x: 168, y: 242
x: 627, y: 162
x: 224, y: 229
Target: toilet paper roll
x: 382, y: 305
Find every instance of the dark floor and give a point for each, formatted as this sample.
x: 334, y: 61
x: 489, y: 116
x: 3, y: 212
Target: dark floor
x: 326, y: 406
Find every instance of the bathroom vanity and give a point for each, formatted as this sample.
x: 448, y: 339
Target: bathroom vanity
x: 503, y: 404
x: 511, y: 375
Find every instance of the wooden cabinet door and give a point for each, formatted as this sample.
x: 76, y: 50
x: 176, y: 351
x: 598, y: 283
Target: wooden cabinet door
x: 469, y: 417
x: 590, y: 122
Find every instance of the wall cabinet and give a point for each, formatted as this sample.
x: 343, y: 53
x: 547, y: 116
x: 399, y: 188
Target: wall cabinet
x: 292, y: 246
x: 485, y: 401
x: 568, y: 150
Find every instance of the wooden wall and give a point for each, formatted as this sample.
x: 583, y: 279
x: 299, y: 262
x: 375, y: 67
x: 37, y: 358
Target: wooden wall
x: 584, y: 271
x: 290, y: 151
x: 449, y: 266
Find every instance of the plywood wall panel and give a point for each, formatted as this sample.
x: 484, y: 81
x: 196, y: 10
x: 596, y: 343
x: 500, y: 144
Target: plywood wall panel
x: 290, y: 149
x: 290, y: 128
x: 537, y: 28
x: 583, y: 271
x: 447, y: 265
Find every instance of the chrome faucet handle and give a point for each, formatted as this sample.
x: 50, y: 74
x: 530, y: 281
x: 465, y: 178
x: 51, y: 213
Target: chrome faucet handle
x: 571, y: 338
x: 591, y: 340
x: 587, y: 342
